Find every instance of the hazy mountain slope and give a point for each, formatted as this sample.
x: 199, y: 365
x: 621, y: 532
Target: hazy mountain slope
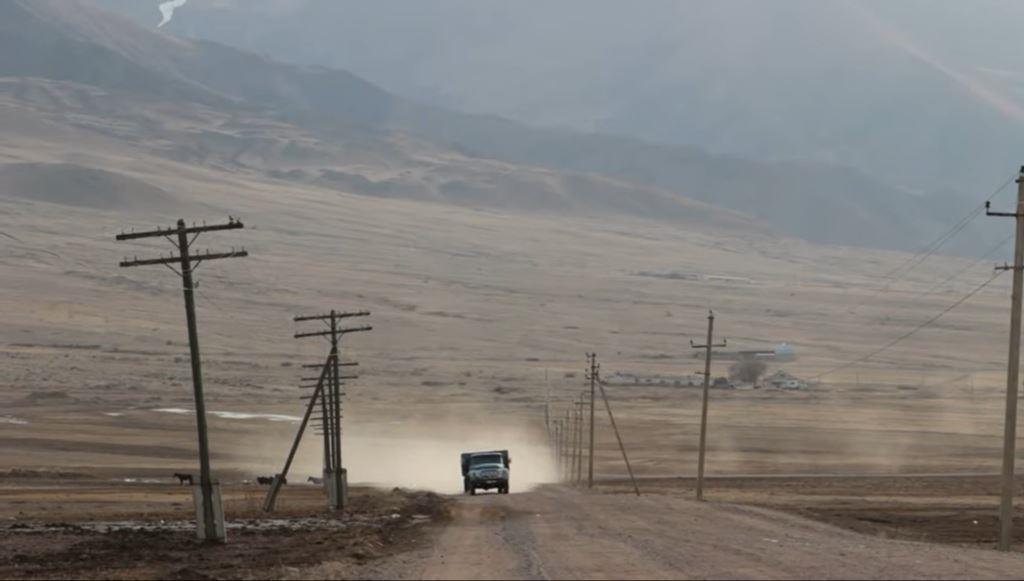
x: 330, y: 115
x: 67, y: 41
x: 907, y: 91
x: 75, y: 185
x: 214, y: 107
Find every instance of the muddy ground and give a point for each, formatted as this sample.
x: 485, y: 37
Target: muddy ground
x: 80, y: 529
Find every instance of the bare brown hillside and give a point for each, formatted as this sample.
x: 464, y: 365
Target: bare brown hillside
x: 76, y: 42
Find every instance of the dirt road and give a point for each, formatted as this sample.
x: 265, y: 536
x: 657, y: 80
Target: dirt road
x: 555, y: 533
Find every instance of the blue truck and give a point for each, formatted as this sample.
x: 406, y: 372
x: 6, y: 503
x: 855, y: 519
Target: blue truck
x: 485, y: 471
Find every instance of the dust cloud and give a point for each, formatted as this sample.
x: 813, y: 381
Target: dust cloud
x: 423, y: 453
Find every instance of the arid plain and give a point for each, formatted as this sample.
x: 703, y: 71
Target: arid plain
x: 478, y: 315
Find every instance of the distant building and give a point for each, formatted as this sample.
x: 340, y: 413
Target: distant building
x: 629, y: 378
x: 782, y: 380
x: 781, y: 352
x: 784, y: 352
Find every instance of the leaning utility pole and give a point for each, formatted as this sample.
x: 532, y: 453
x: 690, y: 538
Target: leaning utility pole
x: 279, y: 478
x: 592, y: 376
x: 704, y: 403
x: 334, y: 472
x: 615, y: 428
x: 330, y: 400
x: 1012, y: 370
x: 211, y: 519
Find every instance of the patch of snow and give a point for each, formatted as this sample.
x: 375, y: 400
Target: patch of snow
x: 248, y: 416
x: 173, y: 410
x: 228, y: 415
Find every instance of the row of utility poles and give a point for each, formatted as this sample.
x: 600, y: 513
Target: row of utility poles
x: 327, y: 384
x: 567, y: 433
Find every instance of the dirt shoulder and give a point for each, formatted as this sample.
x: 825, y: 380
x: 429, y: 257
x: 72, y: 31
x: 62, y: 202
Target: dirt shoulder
x: 94, y: 538
x: 951, y: 509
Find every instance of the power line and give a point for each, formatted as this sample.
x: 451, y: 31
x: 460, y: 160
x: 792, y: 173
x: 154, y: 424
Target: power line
x: 973, y: 263
x: 913, y: 331
x: 953, y: 231
x: 921, y: 256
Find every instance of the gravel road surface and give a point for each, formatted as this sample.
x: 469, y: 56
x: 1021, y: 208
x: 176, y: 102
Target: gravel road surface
x: 563, y: 534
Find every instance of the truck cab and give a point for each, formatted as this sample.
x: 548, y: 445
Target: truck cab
x: 485, y: 471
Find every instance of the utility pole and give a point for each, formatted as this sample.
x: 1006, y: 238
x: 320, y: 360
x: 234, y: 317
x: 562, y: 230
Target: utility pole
x: 575, y: 432
x: 557, y: 443
x: 704, y: 402
x: 1012, y: 370
x: 330, y: 418
x: 566, y: 446
x: 268, y: 503
x: 592, y: 375
x: 188, y: 262
x: 572, y: 442
x: 579, y: 428
x: 547, y: 404
x: 615, y: 428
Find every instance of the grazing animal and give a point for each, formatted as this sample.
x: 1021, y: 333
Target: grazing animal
x: 268, y: 480
x: 315, y: 480
x: 183, y: 478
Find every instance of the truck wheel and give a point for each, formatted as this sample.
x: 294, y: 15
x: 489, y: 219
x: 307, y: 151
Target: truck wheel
x: 472, y: 491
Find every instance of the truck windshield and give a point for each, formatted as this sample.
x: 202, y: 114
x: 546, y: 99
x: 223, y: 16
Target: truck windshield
x: 489, y: 459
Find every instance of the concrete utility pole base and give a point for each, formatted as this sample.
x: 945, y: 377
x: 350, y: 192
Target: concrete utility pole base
x: 220, y: 533
x: 337, y: 489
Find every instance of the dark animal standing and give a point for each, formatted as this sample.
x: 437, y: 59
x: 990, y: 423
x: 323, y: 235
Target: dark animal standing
x: 315, y: 480
x: 268, y: 480
x: 183, y: 478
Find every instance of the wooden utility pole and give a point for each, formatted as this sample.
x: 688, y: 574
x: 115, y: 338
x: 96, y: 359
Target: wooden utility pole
x: 577, y: 463
x: 579, y: 429
x: 592, y: 375
x: 567, y: 446
x: 330, y: 400
x: 622, y: 447
x: 557, y: 441
x: 574, y: 421
x: 704, y: 403
x: 1012, y: 370
x: 547, y: 404
x: 188, y: 262
x: 279, y: 479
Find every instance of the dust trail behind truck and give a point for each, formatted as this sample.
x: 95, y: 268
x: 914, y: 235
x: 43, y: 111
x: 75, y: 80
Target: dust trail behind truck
x: 486, y: 471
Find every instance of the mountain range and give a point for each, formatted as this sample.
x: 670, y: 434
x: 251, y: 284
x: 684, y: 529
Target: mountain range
x: 921, y: 94
x: 77, y: 65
